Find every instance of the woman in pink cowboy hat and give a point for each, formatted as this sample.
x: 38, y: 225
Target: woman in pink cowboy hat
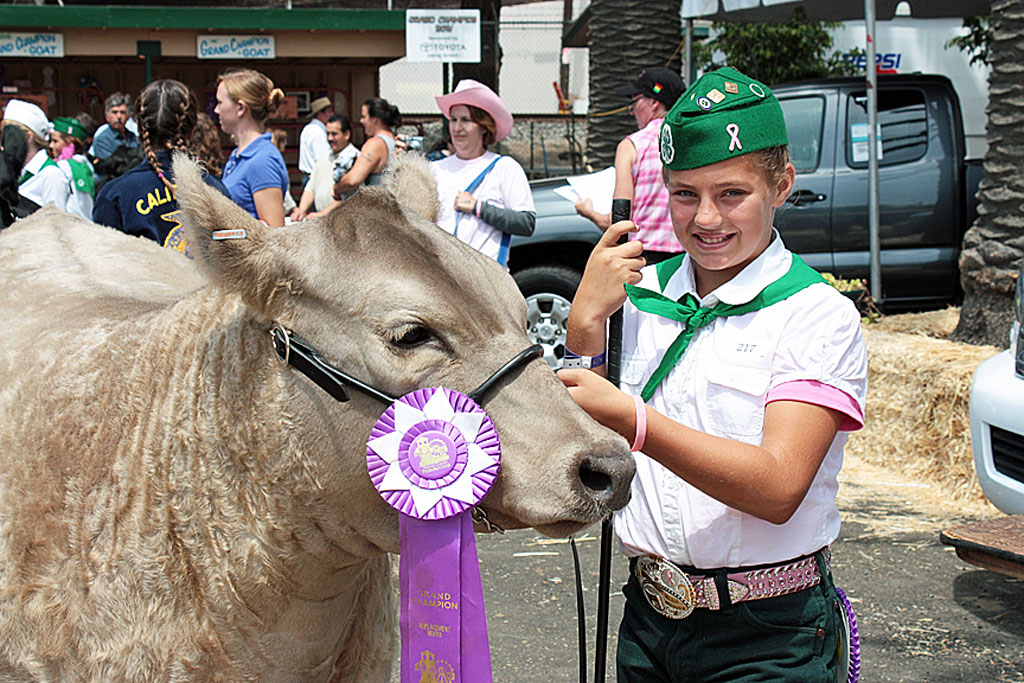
x: 485, y: 197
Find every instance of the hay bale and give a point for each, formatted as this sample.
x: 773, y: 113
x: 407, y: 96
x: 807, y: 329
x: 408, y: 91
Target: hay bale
x: 939, y: 324
x: 919, y: 391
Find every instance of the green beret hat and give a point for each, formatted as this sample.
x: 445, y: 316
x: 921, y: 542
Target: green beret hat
x: 70, y: 126
x: 723, y: 115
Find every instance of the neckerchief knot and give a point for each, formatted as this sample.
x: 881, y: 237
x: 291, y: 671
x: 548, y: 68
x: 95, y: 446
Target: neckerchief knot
x: 688, y: 310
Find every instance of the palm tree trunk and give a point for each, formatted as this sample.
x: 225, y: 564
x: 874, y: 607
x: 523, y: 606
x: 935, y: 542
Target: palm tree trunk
x: 626, y: 37
x: 994, y: 246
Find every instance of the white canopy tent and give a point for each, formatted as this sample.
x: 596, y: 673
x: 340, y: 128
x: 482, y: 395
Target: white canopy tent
x: 839, y: 10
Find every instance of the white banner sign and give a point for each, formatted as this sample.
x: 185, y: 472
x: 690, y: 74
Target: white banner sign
x: 235, y: 47
x: 442, y: 35
x: 31, y: 44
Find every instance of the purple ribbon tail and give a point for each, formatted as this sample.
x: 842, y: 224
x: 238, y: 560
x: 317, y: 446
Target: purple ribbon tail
x: 476, y: 647
x: 443, y: 620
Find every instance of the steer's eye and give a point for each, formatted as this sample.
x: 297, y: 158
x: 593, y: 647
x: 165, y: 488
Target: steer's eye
x: 413, y: 336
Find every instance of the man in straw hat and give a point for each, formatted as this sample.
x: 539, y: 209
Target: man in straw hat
x: 41, y: 181
x: 313, y: 139
x: 637, y: 167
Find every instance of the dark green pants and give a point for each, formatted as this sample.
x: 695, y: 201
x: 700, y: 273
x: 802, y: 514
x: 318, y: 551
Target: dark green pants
x: 789, y: 638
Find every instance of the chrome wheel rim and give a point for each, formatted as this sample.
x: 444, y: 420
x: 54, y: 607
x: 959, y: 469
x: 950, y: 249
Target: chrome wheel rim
x: 547, y: 316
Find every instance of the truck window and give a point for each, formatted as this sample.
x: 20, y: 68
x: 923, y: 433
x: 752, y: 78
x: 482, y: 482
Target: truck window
x: 804, y: 117
x: 902, y: 119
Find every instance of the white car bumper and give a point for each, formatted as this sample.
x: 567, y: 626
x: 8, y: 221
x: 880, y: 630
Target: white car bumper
x: 997, y: 432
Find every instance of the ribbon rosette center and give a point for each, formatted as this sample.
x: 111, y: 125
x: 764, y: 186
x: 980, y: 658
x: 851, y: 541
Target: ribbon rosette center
x: 433, y: 454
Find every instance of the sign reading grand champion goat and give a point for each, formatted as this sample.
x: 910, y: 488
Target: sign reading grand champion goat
x: 235, y: 47
x: 451, y: 35
x: 31, y: 45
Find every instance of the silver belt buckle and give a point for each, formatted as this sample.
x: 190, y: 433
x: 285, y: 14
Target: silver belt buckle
x: 666, y: 587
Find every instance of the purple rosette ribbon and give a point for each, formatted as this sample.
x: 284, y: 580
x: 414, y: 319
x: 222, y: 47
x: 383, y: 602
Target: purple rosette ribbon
x: 433, y: 455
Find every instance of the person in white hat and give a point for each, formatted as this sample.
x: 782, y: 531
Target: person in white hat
x: 41, y: 180
x: 313, y: 142
x: 485, y: 197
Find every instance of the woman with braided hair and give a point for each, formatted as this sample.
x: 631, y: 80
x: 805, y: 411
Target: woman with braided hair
x: 142, y: 202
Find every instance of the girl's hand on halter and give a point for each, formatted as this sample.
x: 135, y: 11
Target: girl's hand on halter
x: 602, y: 400
x: 464, y: 202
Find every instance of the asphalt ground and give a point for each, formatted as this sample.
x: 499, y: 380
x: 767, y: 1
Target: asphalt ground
x: 924, y: 615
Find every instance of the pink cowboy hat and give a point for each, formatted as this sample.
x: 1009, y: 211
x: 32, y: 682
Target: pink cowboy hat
x: 470, y: 92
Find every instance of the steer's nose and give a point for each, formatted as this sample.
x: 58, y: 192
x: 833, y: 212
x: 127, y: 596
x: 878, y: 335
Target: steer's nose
x: 606, y: 476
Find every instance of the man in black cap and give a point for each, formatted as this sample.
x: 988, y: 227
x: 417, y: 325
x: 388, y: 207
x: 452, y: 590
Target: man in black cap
x: 638, y: 166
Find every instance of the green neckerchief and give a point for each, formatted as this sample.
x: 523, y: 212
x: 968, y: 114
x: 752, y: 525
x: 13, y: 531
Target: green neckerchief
x: 82, y: 177
x: 29, y: 174
x: 688, y: 309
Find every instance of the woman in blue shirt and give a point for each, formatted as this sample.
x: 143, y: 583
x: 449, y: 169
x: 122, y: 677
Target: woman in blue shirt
x: 255, y: 173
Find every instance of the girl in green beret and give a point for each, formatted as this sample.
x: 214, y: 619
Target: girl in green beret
x: 742, y: 373
x: 67, y: 148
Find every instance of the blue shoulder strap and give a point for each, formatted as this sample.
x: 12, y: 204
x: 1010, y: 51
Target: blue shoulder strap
x: 472, y: 186
x: 480, y: 178
x: 506, y: 239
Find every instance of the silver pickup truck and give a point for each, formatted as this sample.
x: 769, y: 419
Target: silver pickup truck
x: 927, y: 200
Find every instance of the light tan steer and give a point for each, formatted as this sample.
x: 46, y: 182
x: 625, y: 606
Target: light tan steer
x: 177, y: 505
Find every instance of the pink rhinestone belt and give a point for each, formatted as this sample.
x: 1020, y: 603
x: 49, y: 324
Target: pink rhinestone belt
x: 675, y: 594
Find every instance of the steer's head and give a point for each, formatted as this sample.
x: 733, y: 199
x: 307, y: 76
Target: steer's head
x: 385, y: 295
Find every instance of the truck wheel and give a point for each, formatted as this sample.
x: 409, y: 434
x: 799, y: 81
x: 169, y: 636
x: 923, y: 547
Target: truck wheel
x: 549, y: 291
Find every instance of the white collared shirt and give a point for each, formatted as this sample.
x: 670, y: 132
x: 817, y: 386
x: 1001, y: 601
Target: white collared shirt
x: 719, y: 386
x: 48, y: 184
x: 312, y: 144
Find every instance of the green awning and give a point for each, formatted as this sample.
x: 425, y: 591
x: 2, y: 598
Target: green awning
x: 200, y: 18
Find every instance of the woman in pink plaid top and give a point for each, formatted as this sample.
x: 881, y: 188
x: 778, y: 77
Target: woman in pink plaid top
x: 638, y: 166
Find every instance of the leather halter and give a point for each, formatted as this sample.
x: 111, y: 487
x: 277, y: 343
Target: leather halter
x: 293, y: 350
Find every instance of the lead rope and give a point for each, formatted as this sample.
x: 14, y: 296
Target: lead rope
x: 581, y: 616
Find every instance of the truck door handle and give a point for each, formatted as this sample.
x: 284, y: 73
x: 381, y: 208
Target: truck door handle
x: 801, y: 197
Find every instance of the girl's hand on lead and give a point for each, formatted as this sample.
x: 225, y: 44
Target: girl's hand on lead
x: 610, y: 266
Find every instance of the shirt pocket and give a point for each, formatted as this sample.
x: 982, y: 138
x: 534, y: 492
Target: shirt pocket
x: 735, y: 398
x: 634, y: 371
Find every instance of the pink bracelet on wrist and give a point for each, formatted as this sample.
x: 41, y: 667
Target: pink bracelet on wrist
x: 641, y: 424
x: 476, y: 209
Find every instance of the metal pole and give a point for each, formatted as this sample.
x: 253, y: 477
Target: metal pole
x: 563, y: 69
x: 604, y: 580
x: 873, y: 211
x: 622, y: 210
x: 688, y: 52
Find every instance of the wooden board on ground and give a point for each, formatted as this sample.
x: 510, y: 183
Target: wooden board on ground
x: 996, y: 544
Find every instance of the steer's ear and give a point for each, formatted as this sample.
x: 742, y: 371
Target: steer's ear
x: 236, y: 250
x: 408, y: 178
